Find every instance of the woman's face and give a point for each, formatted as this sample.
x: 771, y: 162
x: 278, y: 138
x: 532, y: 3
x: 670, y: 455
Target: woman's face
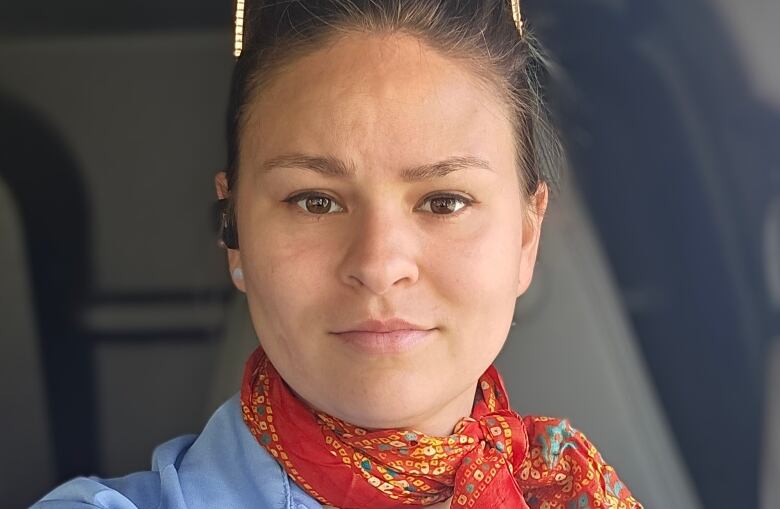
x: 414, y: 211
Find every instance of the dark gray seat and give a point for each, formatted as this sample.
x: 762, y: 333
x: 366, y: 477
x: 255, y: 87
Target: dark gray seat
x: 27, y: 463
x: 770, y: 467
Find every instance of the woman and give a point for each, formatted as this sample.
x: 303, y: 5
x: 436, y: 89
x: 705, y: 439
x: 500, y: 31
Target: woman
x: 388, y: 173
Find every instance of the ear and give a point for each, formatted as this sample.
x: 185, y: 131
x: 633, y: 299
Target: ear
x: 532, y: 230
x: 233, y: 255
x: 221, y: 185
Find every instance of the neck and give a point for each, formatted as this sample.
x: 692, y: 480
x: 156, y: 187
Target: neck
x: 443, y: 421
x: 438, y: 424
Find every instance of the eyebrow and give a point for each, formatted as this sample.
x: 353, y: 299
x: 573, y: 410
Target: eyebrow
x: 330, y: 166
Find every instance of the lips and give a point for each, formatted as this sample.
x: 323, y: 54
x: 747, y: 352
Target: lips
x: 389, y: 325
x: 394, y: 335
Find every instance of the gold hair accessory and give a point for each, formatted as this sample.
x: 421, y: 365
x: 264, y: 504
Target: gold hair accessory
x: 238, y: 43
x: 517, y: 17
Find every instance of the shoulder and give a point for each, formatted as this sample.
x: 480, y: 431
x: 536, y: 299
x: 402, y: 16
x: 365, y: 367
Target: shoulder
x: 139, y: 490
x: 224, y: 466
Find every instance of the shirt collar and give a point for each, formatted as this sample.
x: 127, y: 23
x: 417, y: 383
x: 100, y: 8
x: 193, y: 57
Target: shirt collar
x: 226, y: 467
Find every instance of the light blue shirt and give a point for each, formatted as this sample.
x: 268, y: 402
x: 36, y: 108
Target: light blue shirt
x: 223, y: 467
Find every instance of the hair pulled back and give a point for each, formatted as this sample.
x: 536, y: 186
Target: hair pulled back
x: 480, y: 34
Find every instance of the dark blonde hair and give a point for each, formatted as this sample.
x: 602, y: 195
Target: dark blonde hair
x: 480, y: 34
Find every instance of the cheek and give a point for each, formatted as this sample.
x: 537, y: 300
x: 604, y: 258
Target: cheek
x: 476, y: 281
x: 286, y: 280
x: 477, y: 267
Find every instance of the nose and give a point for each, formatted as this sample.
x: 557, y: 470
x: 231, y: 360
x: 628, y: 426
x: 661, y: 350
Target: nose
x: 381, y: 253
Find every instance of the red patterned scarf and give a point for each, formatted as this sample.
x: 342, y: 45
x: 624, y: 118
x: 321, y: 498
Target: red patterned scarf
x: 494, y: 459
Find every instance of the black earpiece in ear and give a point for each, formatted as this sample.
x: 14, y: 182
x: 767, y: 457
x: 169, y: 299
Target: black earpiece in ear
x: 228, y: 233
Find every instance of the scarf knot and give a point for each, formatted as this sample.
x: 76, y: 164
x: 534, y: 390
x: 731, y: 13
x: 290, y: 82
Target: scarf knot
x: 501, y: 445
x: 502, y: 434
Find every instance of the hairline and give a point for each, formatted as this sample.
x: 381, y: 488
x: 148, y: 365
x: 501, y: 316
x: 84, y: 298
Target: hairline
x: 286, y: 54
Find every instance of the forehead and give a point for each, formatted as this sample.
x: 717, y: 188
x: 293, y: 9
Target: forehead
x: 377, y: 98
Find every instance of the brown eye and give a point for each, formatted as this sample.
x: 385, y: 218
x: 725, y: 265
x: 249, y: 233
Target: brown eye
x: 446, y: 204
x: 316, y: 203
